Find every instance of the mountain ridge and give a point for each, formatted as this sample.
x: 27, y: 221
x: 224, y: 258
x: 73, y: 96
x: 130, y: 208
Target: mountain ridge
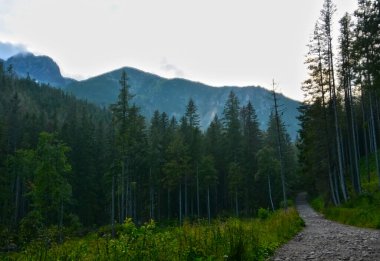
x: 171, y: 95
x: 154, y: 92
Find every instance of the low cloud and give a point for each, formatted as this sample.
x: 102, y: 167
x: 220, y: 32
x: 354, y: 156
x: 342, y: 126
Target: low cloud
x: 9, y: 49
x: 172, y: 69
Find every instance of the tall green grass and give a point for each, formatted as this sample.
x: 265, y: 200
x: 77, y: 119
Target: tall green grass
x: 232, y: 239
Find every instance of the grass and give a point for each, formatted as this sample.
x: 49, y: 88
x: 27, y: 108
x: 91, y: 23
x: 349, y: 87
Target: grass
x: 231, y: 239
x: 360, y: 210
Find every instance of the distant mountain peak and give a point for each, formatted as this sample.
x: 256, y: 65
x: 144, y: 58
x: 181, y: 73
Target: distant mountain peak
x: 39, y: 67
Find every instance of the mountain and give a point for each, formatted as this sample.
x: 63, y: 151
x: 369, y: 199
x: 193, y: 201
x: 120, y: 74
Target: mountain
x: 153, y: 92
x: 40, y: 68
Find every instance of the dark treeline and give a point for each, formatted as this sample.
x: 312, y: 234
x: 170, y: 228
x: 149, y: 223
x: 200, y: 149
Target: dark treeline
x: 67, y: 165
x: 340, y: 116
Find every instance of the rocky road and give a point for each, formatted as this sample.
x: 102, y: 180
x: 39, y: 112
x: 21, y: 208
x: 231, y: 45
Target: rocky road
x: 327, y: 240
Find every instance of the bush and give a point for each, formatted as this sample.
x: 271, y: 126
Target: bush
x: 30, y: 226
x: 263, y: 213
x: 318, y: 204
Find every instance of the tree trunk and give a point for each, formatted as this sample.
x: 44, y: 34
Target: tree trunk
x: 208, y: 204
x: 270, y: 193
x: 122, y: 211
x: 372, y: 121
x: 61, y: 224
x: 113, y: 207
x: 366, y: 142
x: 168, y: 204
x: 355, y: 142
x: 338, y: 145
x: 186, y: 195
x: 336, y: 183
x: 17, y: 200
x: 180, y: 204
x: 150, y: 194
x: 198, y: 192
x: 280, y: 150
x: 332, y: 189
x: 236, y: 204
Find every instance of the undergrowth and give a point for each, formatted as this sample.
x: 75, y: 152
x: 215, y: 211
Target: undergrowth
x: 232, y: 239
x: 360, y: 210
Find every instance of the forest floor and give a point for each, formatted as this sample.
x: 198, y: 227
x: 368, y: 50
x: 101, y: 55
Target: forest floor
x: 327, y: 240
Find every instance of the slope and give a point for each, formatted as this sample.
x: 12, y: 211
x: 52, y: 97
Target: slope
x: 153, y: 92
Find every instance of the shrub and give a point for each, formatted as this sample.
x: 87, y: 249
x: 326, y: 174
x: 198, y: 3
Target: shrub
x: 263, y: 213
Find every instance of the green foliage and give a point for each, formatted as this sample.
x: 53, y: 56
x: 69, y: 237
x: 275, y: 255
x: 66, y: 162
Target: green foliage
x: 263, y: 213
x: 178, y: 163
x: 362, y: 211
x: 50, y: 188
x: 318, y: 204
x: 233, y: 239
x: 70, y: 167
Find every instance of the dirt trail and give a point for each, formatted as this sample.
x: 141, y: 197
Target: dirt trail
x: 326, y: 240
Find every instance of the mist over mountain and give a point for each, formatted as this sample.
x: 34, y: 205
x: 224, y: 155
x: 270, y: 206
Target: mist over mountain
x: 9, y: 49
x: 153, y: 92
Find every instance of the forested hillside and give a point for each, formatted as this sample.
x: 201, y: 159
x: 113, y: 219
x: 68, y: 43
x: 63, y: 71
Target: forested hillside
x: 67, y: 165
x: 153, y: 92
x: 340, y: 116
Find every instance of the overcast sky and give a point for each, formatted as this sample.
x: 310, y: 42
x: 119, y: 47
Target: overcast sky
x: 217, y: 42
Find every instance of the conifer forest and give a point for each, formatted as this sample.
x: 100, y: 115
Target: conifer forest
x: 80, y: 182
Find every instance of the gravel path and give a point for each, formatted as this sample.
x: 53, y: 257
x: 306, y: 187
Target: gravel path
x: 326, y: 240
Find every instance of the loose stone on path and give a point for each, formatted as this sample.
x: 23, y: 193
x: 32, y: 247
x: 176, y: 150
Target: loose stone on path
x: 327, y: 240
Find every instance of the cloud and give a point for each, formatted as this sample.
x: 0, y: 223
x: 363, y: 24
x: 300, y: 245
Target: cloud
x: 9, y: 49
x: 172, y: 69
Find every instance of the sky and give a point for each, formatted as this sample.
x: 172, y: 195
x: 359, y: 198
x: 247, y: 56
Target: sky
x: 217, y: 42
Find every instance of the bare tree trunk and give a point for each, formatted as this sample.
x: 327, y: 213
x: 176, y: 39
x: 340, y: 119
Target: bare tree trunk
x: 150, y: 194
x: 127, y: 190
x: 236, y: 204
x: 372, y: 121
x: 180, y: 204
x: 270, y: 193
x: 326, y: 129
x: 122, y: 211
x: 17, y: 200
x: 332, y: 189
x: 198, y: 192
x: 168, y: 204
x: 335, y: 176
x: 354, y: 142
x: 337, y: 132
x: 186, y: 195
x: 113, y: 207
x: 280, y: 150
x: 208, y: 204
x: 61, y: 224
x: 366, y: 142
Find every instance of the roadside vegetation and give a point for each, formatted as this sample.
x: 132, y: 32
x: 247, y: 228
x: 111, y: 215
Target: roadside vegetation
x: 230, y: 239
x: 360, y: 210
